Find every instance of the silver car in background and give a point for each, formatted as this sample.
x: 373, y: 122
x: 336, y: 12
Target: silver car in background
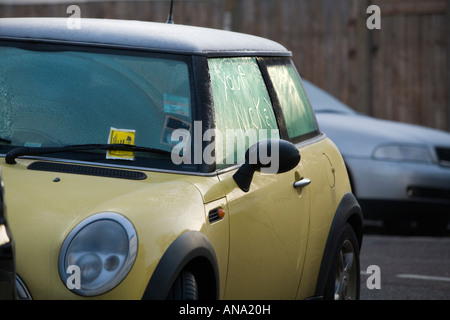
x: 399, y: 172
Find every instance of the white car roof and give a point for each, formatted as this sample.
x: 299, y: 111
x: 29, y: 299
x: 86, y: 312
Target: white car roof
x: 139, y: 34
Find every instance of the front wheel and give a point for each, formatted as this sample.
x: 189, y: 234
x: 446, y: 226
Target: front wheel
x: 184, y: 288
x: 343, y: 282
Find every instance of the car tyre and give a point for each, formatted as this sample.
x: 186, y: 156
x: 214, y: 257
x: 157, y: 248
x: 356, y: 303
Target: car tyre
x: 184, y: 288
x: 343, y: 282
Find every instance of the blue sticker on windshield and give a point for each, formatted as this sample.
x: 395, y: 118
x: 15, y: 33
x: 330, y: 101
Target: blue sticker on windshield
x: 32, y: 144
x: 176, y: 105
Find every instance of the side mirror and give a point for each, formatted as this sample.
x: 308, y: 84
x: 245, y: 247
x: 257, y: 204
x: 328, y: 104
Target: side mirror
x: 267, y: 156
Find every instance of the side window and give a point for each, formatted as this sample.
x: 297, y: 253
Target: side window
x: 298, y: 114
x: 243, y: 109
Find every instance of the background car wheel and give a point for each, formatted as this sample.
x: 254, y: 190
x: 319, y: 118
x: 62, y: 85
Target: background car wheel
x: 344, y: 281
x: 184, y: 288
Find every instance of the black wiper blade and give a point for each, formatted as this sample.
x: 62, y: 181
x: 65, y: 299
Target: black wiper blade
x: 29, y: 151
x: 5, y: 141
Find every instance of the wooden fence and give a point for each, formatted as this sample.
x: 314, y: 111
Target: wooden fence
x: 399, y: 72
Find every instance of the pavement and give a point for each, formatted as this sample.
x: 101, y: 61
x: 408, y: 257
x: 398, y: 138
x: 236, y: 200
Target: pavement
x: 410, y: 266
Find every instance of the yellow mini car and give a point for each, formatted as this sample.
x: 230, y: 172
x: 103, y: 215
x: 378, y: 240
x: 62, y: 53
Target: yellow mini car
x: 158, y: 161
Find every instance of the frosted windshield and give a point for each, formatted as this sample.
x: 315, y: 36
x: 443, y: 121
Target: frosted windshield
x: 58, y: 98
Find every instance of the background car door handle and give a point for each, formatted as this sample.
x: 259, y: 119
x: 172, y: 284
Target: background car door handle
x: 302, y: 183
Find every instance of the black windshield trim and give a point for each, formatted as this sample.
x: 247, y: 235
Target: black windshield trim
x: 29, y: 151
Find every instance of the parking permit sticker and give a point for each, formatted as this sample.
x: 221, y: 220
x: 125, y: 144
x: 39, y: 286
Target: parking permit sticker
x: 121, y: 136
x: 171, y: 124
x: 176, y: 105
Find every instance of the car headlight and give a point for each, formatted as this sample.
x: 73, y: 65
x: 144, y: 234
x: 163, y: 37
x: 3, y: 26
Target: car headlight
x: 402, y: 153
x: 98, y: 253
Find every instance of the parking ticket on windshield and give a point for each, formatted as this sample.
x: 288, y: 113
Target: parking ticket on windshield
x: 121, y: 136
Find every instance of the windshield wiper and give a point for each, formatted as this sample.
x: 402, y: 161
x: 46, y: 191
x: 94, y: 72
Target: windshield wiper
x: 28, y: 151
x: 5, y: 141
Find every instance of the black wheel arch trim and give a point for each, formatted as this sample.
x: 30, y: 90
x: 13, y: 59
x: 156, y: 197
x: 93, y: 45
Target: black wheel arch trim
x: 348, y: 211
x: 189, y: 247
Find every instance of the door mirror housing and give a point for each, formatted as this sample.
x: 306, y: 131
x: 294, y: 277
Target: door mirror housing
x: 268, y: 156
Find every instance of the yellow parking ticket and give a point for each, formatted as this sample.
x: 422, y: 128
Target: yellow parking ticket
x: 121, y: 136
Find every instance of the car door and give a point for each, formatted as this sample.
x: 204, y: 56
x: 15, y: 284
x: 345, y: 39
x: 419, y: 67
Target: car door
x: 269, y: 223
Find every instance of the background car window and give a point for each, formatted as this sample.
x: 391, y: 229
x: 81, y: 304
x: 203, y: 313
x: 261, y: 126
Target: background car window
x: 298, y: 114
x: 54, y: 98
x: 243, y: 109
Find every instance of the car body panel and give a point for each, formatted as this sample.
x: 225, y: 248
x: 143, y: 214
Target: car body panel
x: 268, y: 236
x: 388, y: 180
x: 276, y: 236
x: 334, y: 185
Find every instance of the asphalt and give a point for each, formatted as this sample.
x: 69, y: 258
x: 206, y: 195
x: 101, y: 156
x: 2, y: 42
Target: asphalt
x: 411, y: 266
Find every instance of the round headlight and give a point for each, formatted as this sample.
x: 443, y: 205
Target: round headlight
x: 98, y: 253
